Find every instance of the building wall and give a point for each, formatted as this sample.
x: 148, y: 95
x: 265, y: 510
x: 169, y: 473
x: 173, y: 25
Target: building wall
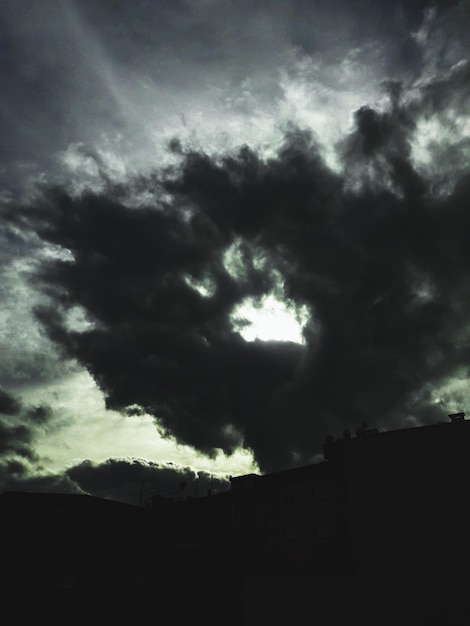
x: 379, y: 533
x: 408, y: 501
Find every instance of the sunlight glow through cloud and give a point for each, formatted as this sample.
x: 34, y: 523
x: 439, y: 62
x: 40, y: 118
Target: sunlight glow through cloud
x: 270, y: 320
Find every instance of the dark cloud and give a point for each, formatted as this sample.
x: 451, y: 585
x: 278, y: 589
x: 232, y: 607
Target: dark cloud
x: 379, y: 260
x: 19, y: 426
x: 376, y: 251
x: 15, y: 440
x: 8, y: 404
x: 136, y: 481
x: 20, y: 478
x: 133, y: 481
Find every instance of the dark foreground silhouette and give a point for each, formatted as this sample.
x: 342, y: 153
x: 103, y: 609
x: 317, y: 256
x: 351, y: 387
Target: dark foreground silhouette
x: 378, y: 532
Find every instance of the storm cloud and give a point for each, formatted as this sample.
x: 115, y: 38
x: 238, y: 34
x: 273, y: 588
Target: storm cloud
x: 337, y: 181
x: 377, y: 256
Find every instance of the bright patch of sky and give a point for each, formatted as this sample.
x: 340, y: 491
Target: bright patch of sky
x: 272, y: 317
x: 84, y: 429
x: 453, y: 394
x: 269, y: 319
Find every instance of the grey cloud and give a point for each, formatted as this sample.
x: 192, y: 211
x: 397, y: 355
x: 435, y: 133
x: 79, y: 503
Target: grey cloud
x: 8, y: 404
x: 18, y: 477
x: 377, y: 256
x: 27, y: 355
x: 15, y: 440
x: 43, y: 75
x: 135, y: 481
x: 356, y: 257
x: 442, y: 35
x: 81, y: 71
x: 132, y: 481
x: 19, y: 425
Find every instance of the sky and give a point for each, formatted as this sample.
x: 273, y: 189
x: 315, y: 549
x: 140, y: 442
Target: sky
x: 228, y: 229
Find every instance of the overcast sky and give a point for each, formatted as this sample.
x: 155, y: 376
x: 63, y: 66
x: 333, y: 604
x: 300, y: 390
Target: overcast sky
x: 228, y: 229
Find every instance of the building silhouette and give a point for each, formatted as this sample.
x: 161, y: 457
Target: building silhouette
x: 379, y: 532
